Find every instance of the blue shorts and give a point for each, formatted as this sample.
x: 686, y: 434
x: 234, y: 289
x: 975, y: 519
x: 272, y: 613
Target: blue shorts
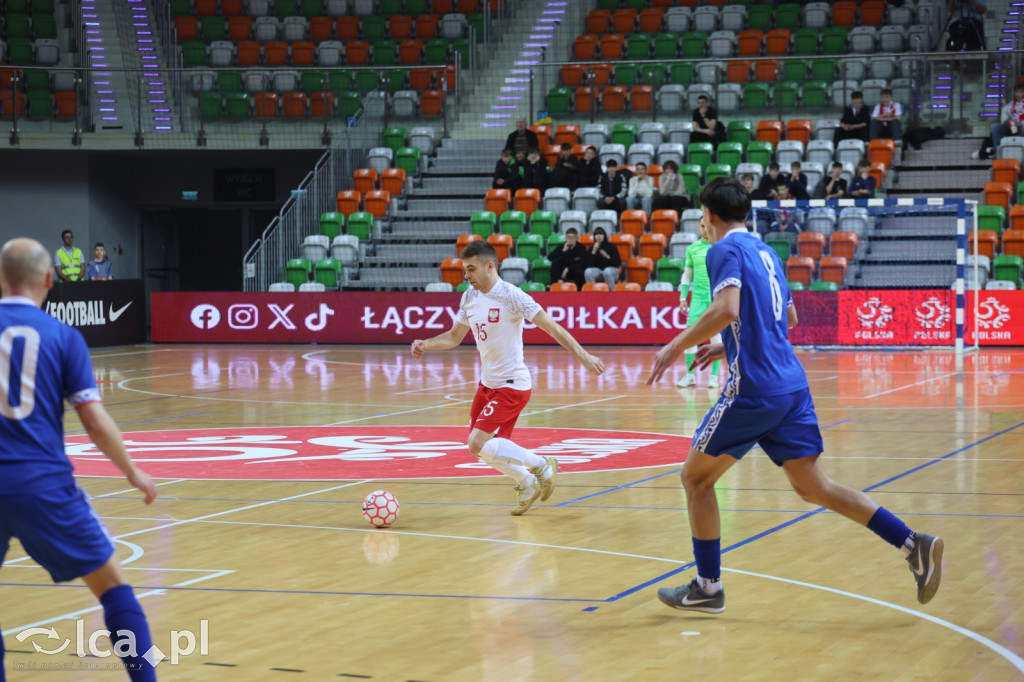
x: 59, y: 529
x: 785, y: 426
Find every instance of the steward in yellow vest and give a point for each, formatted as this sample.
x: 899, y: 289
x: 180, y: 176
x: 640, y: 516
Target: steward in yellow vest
x: 69, y: 261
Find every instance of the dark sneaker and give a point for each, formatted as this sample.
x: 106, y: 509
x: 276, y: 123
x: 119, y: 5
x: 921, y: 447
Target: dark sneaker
x: 692, y: 598
x: 926, y: 564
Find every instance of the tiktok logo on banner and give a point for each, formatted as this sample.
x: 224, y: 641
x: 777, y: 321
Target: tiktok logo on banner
x: 316, y: 322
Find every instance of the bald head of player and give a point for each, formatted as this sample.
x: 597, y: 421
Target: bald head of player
x: 25, y: 269
x: 726, y: 204
x: 480, y: 263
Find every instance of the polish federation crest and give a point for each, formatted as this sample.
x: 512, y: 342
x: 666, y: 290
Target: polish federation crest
x: 992, y: 314
x: 874, y: 314
x: 933, y: 313
x: 493, y: 315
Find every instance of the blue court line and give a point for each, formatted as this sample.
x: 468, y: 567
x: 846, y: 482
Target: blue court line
x: 651, y: 478
x: 1003, y: 374
x: 322, y: 593
x: 808, y: 515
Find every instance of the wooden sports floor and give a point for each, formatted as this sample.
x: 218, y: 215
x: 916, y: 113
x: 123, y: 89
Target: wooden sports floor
x: 294, y: 585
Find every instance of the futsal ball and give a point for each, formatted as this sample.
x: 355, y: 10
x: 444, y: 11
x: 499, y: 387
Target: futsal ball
x: 380, y: 508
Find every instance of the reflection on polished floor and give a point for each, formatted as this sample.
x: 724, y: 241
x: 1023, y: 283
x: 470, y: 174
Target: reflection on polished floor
x: 265, y: 452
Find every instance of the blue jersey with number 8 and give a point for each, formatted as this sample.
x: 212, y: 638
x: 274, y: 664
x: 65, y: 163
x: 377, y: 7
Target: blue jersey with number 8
x: 761, y: 358
x: 42, y: 362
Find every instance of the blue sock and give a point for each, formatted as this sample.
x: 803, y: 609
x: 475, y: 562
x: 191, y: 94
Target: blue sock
x: 3, y: 677
x: 121, y: 611
x: 888, y: 527
x: 708, y: 556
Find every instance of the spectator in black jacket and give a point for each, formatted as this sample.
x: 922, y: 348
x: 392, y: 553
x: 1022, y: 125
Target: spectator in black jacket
x: 567, y: 169
x: 614, y: 185
x: 522, y: 138
x: 856, y: 121
x: 590, y: 168
x: 535, y: 171
x: 506, y: 175
x: 569, y: 261
x: 603, y: 260
x: 766, y: 189
x: 797, y: 182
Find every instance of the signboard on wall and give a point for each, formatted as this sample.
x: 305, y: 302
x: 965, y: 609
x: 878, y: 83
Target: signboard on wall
x: 244, y: 184
x: 108, y: 313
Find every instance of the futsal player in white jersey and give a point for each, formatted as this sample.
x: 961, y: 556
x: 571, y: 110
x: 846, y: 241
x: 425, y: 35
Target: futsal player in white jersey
x: 494, y: 310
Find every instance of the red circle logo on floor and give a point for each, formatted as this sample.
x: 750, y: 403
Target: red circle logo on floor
x: 315, y: 453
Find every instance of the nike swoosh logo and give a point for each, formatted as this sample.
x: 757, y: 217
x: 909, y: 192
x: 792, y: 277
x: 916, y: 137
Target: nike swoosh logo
x: 920, y: 566
x: 114, y: 314
x: 691, y: 602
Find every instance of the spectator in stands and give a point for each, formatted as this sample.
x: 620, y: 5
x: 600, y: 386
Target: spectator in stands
x: 522, y: 138
x: 506, y: 174
x: 672, y: 193
x: 614, y: 186
x: 590, y: 169
x: 706, y: 126
x: 569, y: 261
x: 785, y: 218
x: 1011, y: 118
x: 567, y: 169
x: 835, y: 186
x: 967, y: 25
x: 68, y: 259
x: 863, y: 184
x: 535, y: 171
x: 797, y: 182
x: 99, y: 267
x: 769, y: 181
x: 603, y: 260
x: 748, y: 182
x: 885, y: 119
x: 641, y: 190
x: 856, y: 120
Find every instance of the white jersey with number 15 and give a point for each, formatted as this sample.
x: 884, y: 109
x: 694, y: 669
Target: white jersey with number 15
x: 496, y: 319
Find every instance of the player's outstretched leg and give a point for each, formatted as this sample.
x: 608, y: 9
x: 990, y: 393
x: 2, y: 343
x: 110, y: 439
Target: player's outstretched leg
x: 501, y: 453
x: 122, y: 612
x: 690, y: 379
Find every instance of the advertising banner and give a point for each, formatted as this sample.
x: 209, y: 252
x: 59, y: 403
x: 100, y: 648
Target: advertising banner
x: 108, y: 313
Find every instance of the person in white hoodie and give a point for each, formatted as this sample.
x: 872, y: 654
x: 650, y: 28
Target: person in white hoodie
x: 641, y: 190
x: 1011, y: 119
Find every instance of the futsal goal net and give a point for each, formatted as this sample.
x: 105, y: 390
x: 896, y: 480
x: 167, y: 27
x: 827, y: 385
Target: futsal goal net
x: 881, y: 272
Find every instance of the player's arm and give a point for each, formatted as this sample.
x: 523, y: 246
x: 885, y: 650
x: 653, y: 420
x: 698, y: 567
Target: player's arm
x: 791, y: 315
x: 684, y: 289
x: 104, y: 432
x: 566, y: 340
x: 723, y: 310
x: 450, y: 339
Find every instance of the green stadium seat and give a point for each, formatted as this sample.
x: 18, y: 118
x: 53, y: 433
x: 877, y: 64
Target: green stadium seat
x: 360, y: 224
x: 639, y: 46
x: 533, y: 286
x: 543, y: 223
x: 229, y: 81
x: 1020, y: 192
x: 653, y: 74
x: 730, y: 153
x: 760, y: 152
x: 436, y: 51
x: 41, y: 7
x: 213, y: 28
x: 348, y: 103
x: 529, y: 246
x: 794, y: 70
x: 787, y: 95
x: 312, y: 8
x: 718, y: 170
x: 394, y: 137
x: 39, y: 104
x: 680, y: 73
x: 193, y: 53
x: 339, y: 80
x: 44, y: 26
x: 780, y: 246
x: 815, y: 94
x: 462, y: 287
x: 824, y: 286
x: 239, y: 105
x: 694, y: 43
x: 558, y: 100
x: 796, y: 286
x: 408, y: 159
x: 833, y: 40
x: 824, y: 69
x: 483, y: 223
x: 692, y: 175
x: 512, y: 223
x: 313, y: 81
x: 755, y: 95
x: 805, y: 41
x: 666, y: 45
x: 670, y: 270
x: 478, y: 21
x: 699, y: 153
x: 760, y: 17
x: 329, y: 273
x: 385, y: 52
x: 332, y: 224
x: 286, y: 8
x: 626, y: 74
x: 36, y: 79
x: 624, y: 133
x: 540, y: 270
x: 389, y: 7
x: 991, y: 218
x: 180, y: 7
x: 211, y: 105
x: 1008, y: 268
x: 298, y: 271
x: 18, y: 26
x: 554, y: 241
x: 741, y: 131
x: 374, y: 27
x: 788, y: 15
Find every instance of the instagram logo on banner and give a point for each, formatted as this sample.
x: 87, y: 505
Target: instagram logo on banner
x: 243, y: 316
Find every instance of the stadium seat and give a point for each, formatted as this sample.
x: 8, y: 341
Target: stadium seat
x: 630, y: 286
x: 331, y: 224
x: 992, y: 218
x: 596, y: 286
x: 1008, y: 268
x: 527, y: 200
x: 497, y: 201
x: 563, y: 286
x: 464, y: 240
x: 529, y: 246
x: 483, y: 223
x: 633, y: 222
x: 282, y: 287
x: 769, y: 131
x: 502, y: 244
x: 665, y: 222
x: 776, y: 41
x: 998, y: 194
x: 360, y: 224
x: 330, y: 273
x: 348, y: 201
x: 512, y: 223
x: 515, y: 270
x: 883, y: 151
x: 850, y: 151
x: 844, y: 244
x: 1006, y: 170
x: 823, y: 285
x: 1013, y: 243
x: 451, y: 271
x: 639, y: 270
x: 800, y: 269
x: 983, y: 243
x: 780, y: 243
x: 1016, y: 216
x: 377, y: 203
x: 669, y: 270
x: 653, y: 246
x: 543, y: 223
x: 439, y: 287
x: 811, y: 245
x: 799, y: 129
x: 625, y: 243
x: 365, y: 180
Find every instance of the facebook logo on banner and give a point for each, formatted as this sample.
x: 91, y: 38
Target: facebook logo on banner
x: 205, y: 316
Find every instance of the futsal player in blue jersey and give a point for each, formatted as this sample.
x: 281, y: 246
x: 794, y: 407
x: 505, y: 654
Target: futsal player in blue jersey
x: 766, y: 402
x: 44, y: 362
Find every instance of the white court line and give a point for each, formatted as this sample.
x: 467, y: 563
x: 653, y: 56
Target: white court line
x: 395, y: 414
x: 1013, y: 658
x: 566, y: 407
x: 916, y: 383
x: 138, y: 352
x: 132, y: 490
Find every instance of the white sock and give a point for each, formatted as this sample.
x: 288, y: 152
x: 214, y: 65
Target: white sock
x: 908, y: 545
x: 504, y: 451
x: 516, y: 472
x: 710, y: 586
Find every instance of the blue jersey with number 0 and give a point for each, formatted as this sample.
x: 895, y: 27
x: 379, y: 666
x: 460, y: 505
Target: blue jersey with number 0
x: 42, y: 362
x: 761, y: 358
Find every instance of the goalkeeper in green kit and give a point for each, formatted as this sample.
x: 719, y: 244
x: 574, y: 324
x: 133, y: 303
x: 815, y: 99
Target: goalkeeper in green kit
x: 694, y: 299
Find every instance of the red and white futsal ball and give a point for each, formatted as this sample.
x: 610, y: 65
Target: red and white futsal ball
x: 380, y: 508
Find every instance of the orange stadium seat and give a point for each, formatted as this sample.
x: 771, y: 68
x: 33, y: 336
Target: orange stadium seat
x: 628, y: 286
x: 572, y: 75
x: 749, y: 43
x: 653, y: 246
x: 1006, y: 170
x: 739, y: 72
x: 451, y: 271
x: 776, y: 41
x: 769, y: 131
x: 587, y: 239
x: 612, y: 45
x: 432, y: 103
x: 187, y: 28
x: 400, y: 27
x: 378, y: 203
x: 585, y: 47
x: 230, y: 8
x: 563, y: 286
x: 1017, y: 217
x: 265, y: 104
x: 502, y: 244
x: 527, y: 200
x: 633, y: 222
x: 441, y: 6
x: 878, y: 172
x: 248, y: 52
x: 872, y: 13
x: 303, y: 52
x: 800, y: 129
x: 567, y: 132
x: 206, y: 8
x: 998, y: 194
x: 543, y: 134
x: 393, y: 181
x: 655, y: 170
x: 551, y: 153
x: 599, y: 21
x: 613, y: 99
x: 240, y: 28
x: 357, y: 52
x: 844, y: 244
x: 833, y: 269
x: 651, y: 19
x: 766, y: 70
x: 881, y: 151
x: 321, y: 104
x: 410, y: 51
x: 987, y: 242
x: 294, y: 104
x: 1013, y: 243
x: 464, y: 240
x: 639, y: 270
x: 347, y: 27
x: 421, y: 79
x: 800, y: 269
x: 641, y: 98
x: 426, y: 26
x: 584, y: 99
x: 602, y: 73
x: 348, y: 201
x: 320, y: 28
x: 844, y: 13
x: 67, y: 103
x: 625, y: 243
x: 497, y: 201
x: 596, y: 286
x: 275, y: 53
x: 364, y: 180
x: 665, y: 221
x: 811, y: 245
x: 624, y: 20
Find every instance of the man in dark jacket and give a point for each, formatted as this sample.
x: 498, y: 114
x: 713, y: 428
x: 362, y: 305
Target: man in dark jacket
x: 567, y: 169
x: 590, y: 168
x: 535, y: 171
x: 569, y: 261
x: 614, y: 184
x: 856, y: 121
x: 522, y: 138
